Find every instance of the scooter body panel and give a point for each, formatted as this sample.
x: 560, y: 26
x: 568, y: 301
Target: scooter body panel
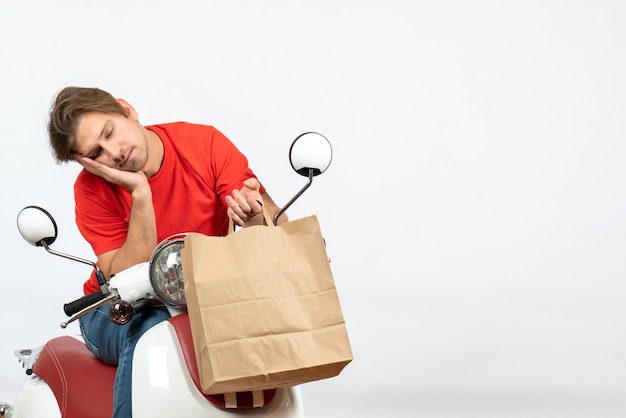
x: 36, y: 399
x: 162, y: 385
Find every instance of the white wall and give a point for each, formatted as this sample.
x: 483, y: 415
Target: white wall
x: 474, y: 210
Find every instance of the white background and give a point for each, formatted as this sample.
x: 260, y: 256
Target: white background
x: 475, y: 208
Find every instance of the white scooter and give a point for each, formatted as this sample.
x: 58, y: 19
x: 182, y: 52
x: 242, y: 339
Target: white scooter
x: 67, y: 381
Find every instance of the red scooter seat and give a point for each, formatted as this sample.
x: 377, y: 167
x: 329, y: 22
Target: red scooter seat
x: 82, y: 384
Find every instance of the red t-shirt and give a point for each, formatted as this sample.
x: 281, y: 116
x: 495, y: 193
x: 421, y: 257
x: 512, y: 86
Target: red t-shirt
x: 200, y: 168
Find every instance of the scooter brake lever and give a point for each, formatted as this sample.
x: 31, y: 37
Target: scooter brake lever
x: 91, y: 308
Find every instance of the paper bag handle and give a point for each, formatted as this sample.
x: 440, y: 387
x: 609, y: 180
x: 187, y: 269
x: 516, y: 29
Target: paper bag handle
x: 268, y: 221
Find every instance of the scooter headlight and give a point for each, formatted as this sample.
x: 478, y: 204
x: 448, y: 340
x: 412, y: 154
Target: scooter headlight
x: 166, y: 271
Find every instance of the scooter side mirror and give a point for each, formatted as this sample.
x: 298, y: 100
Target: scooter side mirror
x: 310, y: 155
x: 37, y: 226
x: 310, y: 151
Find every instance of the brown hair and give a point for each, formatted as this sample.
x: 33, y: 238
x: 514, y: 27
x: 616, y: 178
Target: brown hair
x: 68, y: 107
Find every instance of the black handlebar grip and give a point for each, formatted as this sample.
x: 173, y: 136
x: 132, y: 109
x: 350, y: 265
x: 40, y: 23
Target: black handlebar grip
x: 79, y: 304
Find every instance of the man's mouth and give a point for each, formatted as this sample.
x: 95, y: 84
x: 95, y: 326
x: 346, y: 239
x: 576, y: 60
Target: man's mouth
x: 126, y: 158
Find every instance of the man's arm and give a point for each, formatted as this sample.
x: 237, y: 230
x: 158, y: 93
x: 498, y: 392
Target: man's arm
x: 141, y: 238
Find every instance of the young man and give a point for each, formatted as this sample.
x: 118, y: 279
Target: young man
x: 141, y: 184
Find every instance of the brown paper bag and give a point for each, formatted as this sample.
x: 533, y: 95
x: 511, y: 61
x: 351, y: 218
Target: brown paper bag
x: 263, y: 307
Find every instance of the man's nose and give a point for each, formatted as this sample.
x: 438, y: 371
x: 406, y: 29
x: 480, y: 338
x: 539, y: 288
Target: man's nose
x: 113, y: 152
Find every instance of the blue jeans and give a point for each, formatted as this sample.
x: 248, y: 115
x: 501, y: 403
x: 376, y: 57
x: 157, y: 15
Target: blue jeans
x: 115, y: 344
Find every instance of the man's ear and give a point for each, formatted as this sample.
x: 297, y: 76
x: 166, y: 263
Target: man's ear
x: 128, y: 109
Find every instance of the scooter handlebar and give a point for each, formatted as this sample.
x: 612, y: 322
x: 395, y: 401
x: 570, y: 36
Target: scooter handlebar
x: 79, y: 304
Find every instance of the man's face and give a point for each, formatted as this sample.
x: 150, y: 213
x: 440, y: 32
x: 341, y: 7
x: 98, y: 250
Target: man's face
x: 113, y: 140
